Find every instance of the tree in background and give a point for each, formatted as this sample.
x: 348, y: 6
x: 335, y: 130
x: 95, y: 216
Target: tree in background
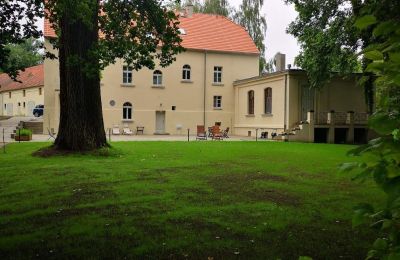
x: 23, y: 55
x: 17, y: 20
x: 139, y: 32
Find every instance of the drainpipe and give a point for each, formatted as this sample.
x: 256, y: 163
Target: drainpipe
x: 204, y: 87
x: 285, y: 109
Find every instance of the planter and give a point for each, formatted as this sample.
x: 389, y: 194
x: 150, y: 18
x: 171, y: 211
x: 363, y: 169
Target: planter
x: 23, y: 138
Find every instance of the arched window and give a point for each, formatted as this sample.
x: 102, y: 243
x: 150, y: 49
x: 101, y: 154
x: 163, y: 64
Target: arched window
x: 268, y: 101
x: 127, y: 111
x: 157, y: 78
x: 186, y: 72
x: 250, y: 98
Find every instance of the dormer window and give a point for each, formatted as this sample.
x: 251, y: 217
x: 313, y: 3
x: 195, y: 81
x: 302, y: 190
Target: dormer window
x: 182, y: 31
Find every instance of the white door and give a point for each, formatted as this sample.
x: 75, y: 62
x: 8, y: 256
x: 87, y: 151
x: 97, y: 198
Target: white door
x: 160, y: 122
x: 29, y: 108
x: 10, y: 109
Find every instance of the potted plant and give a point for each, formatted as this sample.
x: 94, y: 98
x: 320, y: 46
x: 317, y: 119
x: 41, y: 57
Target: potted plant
x: 23, y: 135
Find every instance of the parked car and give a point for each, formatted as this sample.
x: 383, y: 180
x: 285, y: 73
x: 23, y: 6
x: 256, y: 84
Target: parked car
x: 38, y: 110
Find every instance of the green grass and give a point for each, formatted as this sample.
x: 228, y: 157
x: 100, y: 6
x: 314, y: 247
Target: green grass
x: 179, y: 200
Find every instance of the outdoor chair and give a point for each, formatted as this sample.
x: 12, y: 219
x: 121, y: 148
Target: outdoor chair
x: 201, y: 133
x: 226, y: 132
x: 51, y: 135
x: 139, y: 129
x: 210, y: 132
x: 217, y: 135
x: 126, y: 130
x: 115, y: 130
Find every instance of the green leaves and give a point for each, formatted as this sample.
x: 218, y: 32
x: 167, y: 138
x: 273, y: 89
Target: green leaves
x: 365, y: 21
x: 374, y: 55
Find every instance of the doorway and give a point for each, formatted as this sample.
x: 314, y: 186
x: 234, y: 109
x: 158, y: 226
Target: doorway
x: 30, y: 107
x: 160, y: 122
x: 10, y: 109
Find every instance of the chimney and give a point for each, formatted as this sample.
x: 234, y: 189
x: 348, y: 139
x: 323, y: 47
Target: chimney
x: 189, y: 9
x: 280, y: 61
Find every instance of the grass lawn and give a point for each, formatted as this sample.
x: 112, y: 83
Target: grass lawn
x: 179, y: 200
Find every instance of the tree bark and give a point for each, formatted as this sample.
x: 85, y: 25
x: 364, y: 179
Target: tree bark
x: 81, y: 125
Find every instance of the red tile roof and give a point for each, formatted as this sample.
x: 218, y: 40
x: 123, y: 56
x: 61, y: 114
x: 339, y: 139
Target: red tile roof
x: 206, y: 32
x: 31, y: 77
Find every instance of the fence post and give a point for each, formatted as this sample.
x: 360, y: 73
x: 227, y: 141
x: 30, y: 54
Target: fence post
x: 4, y: 143
x: 109, y: 135
x: 188, y: 133
x: 19, y: 135
x: 256, y: 134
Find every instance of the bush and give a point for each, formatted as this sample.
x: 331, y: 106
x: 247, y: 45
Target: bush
x: 23, y: 132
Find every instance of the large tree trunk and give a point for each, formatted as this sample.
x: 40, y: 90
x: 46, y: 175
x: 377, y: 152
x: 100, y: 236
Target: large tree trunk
x: 81, y: 120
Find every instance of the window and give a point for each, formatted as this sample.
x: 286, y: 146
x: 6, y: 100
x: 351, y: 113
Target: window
x: 218, y: 102
x: 186, y: 72
x: 5, y: 106
x: 9, y: 94
x: 250, y: 102
x: 23, y: 93
x: 217, y: 74
x: 268, y: 100
x: 24, y: 104
x: 40, y: 91
x: 126, y: 75
x: 127, y: 111
x: 19, y: 104
x: 157, y: 78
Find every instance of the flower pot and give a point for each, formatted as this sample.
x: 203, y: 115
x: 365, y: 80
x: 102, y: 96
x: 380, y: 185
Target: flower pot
x: 23, y: 138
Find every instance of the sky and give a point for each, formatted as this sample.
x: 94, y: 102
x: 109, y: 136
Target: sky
x: 278, y: 16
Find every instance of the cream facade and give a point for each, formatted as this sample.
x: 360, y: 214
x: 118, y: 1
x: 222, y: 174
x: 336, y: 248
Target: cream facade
x: 21, y: 102
x: 285, y: 105
x: 170, y: 107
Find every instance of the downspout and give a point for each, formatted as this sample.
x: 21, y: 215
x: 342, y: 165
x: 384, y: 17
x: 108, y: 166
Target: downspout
x: 204, y: 87
x: 285, y: 109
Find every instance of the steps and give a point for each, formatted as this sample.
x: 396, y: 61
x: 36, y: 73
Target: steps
x: 35, y: 127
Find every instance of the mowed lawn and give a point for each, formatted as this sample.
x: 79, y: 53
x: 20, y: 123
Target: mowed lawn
x: 177, y: 200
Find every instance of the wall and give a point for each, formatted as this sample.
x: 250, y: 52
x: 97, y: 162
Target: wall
x: 188, y: 97
x: 31, y: 99
x: 270, y: 123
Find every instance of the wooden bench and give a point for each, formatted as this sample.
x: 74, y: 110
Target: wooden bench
x: 139, y: 129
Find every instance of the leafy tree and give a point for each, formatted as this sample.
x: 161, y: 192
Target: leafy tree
x: 17, y: 19
x: 136, y: 31
x: 250, y: 18
x: 23, y: 55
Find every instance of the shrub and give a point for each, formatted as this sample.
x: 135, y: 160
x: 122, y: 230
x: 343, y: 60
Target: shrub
x: 23, y: 132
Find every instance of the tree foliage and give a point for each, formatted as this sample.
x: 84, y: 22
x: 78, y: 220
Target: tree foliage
x: 23, y: 55
x: 17, y: 20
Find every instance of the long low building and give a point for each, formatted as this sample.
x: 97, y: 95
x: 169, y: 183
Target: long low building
x: 19, y: 98
x: 216, y: 81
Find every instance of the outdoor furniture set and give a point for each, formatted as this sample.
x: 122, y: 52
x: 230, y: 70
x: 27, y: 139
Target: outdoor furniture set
x: 214, y: 132
x: 126, y: 130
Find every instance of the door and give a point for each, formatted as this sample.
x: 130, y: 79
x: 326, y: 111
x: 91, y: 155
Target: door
x: 307, y: 101
x: 160, y: 122
x: 29, y: 108
x: 10, y: 109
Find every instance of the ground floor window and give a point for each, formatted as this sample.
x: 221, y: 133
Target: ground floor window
x: 218, y: 102
x: 127, y: 111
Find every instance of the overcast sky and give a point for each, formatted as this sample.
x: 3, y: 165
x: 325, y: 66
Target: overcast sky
x: 278, y: 17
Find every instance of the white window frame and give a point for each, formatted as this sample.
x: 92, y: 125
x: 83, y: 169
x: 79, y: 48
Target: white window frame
x: 157, y: 78
x: 217, y: 74
x: 127, y: 111
x: 217, y: 102
x: 268, y: 101
x: 127, y: 75
x: 186, y: 72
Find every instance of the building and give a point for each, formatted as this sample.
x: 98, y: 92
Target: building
x: 216, y: 81
x: 20, y: 98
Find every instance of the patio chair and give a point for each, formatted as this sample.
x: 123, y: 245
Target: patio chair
x: 126, y: 130
x: 210, y: 133
x: 139, y: 129
x: 226, y: 132
x: 217, y: 135
x: 201, y: 133
x: 115, y: 130
x: 51, y: 135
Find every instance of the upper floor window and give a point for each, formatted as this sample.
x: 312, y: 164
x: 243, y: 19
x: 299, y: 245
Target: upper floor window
x: 217, y: 102
x: 268, y: 100
x: 23, y: 93
x: 40, y: 91
x: 157, y: 78
x: 9, y: 94
x: 186, y: 72
x: 127, y: 75
x: 127, y: 111
x: 250, y: 102
x: 217, y: 74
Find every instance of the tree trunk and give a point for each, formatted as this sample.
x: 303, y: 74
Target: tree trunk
x: 81, y: 125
